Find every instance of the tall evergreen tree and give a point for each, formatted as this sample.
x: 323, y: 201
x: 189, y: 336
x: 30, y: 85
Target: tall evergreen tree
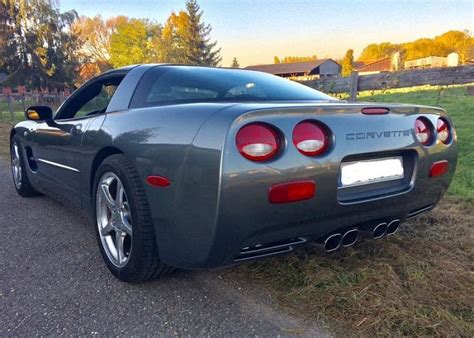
x: 348, y: 63
x: 235, y: 63
x: 197, y: 45
x: 42, y: 51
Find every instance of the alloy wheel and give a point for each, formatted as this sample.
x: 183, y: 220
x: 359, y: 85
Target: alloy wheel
x: 16, y: 165
x: 114, y: 220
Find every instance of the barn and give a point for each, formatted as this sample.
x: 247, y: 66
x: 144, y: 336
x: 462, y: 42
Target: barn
x: 301, y: 70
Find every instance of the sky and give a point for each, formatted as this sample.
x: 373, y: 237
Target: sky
x: 254, y: 31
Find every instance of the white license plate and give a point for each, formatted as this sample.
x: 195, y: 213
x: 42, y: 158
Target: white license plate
x: 371, y: 171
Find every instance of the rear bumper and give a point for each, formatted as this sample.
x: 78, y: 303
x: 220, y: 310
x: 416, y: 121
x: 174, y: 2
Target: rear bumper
x: 239, y: 216
x: 247, y: 220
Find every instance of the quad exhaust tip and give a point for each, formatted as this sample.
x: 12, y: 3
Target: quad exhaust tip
x: 374, y: 231
x: 332, y: 242
x: 350, y: 237
x: 379, y: 230
x: 393, y: 227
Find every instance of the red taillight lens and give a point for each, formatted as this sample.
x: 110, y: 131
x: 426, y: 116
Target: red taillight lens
x: 439, y: 168
x: 311, y: 138
x: 423, y: 131
x: 257, y: 141
x: 291, y: 192
x: 444, y: 130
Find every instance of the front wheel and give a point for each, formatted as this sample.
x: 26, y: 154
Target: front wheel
x: 20, y: 176
x: 123, y: 222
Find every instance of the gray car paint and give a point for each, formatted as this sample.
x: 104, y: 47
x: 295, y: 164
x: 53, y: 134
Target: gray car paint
x: 217, y: 202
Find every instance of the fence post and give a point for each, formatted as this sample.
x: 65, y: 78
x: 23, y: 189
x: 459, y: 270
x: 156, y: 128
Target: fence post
x: 353, y: 86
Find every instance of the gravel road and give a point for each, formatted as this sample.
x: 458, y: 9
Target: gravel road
x: 53, y: 281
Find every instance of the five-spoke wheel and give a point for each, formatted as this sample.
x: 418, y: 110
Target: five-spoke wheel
x: 114, y: 219
x: 16, y: 165
x: 124, y: 226
x: 20, y: 169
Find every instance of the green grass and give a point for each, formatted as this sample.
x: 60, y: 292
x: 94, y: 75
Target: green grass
x: 17, y: 108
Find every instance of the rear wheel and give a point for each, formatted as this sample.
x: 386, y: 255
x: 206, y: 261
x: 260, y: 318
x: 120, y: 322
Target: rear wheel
x: 20, y: 176
x: 123, y: 222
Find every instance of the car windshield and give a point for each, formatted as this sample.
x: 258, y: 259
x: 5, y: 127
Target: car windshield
x: 183, y: 84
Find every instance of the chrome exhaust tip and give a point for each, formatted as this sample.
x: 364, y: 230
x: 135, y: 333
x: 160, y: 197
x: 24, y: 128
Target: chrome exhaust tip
x: 332, y: 242
x: 373, y: 231
x: 393, y: 227
x: 350, y: 237
x: 379, y: 231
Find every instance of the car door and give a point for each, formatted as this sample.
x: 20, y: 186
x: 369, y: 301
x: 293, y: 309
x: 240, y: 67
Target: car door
x: 57, y: 151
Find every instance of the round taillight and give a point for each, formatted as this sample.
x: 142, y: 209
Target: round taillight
x: 443, y: 130
x: 311, y: 138
x: 423, y: 131
x: 257, y: 141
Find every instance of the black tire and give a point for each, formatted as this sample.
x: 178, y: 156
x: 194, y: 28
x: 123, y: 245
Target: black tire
x: 24, y: 187
x: 143, y: 260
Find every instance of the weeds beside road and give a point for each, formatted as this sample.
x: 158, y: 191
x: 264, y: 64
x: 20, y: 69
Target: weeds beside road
x: 5, y: 139
x: 418, y: 282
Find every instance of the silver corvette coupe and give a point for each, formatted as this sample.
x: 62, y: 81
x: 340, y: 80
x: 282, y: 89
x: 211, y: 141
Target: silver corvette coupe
x: 198, y: 168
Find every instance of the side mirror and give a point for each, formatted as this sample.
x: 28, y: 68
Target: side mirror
x: 39, y: 113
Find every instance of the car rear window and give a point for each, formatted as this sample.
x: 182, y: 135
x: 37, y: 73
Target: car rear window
x: 164, y: 85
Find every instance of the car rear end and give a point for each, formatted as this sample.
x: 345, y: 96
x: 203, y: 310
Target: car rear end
x: 327, y: 174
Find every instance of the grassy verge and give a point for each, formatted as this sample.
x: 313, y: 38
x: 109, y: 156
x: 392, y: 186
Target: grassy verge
x: 418, y: 282
x: 5, y: 139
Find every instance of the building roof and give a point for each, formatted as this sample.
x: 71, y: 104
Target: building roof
x: 380, y: 65
x: 305, y: 67
x: 359, y: 64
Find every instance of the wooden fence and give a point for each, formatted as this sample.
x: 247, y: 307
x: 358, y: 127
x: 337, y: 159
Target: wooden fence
x: 408, y: 78
x: 14, y: 101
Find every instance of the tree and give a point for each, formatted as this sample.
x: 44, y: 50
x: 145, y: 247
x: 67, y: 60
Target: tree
x: 131, y: 42
x: 235, y: 63
x: 460, y: 42
x: 94, y: 35
x: 348, y: 63
x: 41, y: 49
x: 457, y: 42
x: 186, y: 38
x: 5, y: 34
x: 422, y: 48
x: 291, y: 59
x: 376, y: 51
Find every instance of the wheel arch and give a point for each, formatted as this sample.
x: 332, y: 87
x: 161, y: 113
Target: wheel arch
x: 101, y: 155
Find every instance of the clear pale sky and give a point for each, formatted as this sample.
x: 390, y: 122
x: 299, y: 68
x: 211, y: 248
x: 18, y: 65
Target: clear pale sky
x: 256, y: 30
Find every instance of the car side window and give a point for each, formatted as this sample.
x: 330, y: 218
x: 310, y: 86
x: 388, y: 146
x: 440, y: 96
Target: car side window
x: 91, y: 99
x: 98, y: 103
